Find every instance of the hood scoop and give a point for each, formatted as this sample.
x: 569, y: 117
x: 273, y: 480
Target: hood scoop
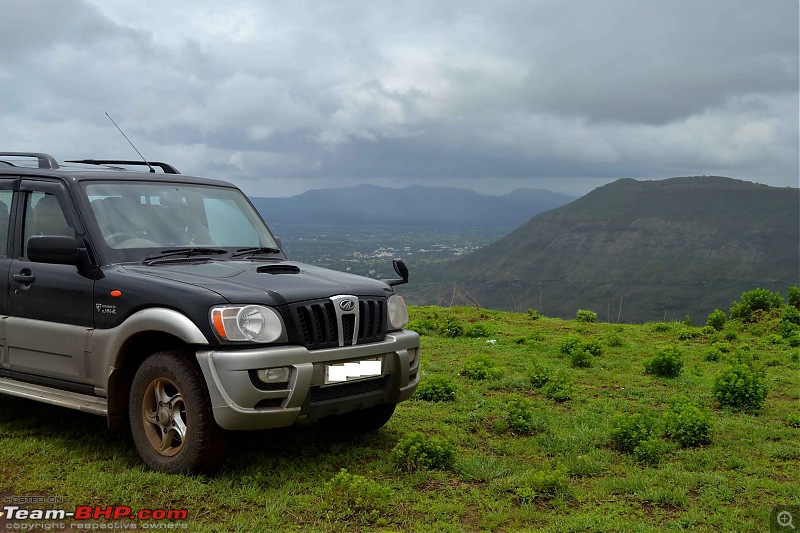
x: 278, y: 269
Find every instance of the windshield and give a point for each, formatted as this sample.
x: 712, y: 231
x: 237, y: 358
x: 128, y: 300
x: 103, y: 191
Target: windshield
x: 136, y: 218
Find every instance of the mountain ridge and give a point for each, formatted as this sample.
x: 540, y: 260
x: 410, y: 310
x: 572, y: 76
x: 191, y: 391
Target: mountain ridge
x: 667, y: 248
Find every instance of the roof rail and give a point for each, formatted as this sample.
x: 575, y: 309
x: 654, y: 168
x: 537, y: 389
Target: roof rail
x: 166, y: 167
x: 45, y: 160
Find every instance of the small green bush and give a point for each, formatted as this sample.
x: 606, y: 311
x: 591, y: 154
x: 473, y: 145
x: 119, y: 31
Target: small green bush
x: 667, y: 364
x: 753, y: 301
x: 477, y: 331
x: 480, y: 367
x: 423, y: 327
x: 519, y: 415
x: 686, y: 334
x: 740, y: 387
x: 688, y: 424
x: 687, y: 321
x: 793, y: 295
x: 356, y: 496
x: 559, y: 387
x: 793, y: 420
x: 451, y: 328
x: 648, y: 451
x: 630, y: 430
x: 539, y: 485
x: 436, y: 389
x: 416, y: 452
x: 584, y: 315
x: 580, y: 358
x: 662, y: 327
x: 538, y: 374
x: 716, y: 319
x: 533, y: 314
x: 570, y: 343
x: 713, y: 354
x: 707, y: 330
x: 614, y: 340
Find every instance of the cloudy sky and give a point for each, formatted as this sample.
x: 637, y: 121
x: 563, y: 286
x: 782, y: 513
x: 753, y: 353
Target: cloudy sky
x: 281, y: 97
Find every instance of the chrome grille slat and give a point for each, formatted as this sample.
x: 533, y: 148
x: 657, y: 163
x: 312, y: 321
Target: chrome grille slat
x: 317, y: 328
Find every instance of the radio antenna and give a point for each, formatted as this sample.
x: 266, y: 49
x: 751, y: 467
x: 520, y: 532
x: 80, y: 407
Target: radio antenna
x: 129, y: 142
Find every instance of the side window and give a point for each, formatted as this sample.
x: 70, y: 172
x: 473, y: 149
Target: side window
x: 43, y: 216
x: 5, y: 205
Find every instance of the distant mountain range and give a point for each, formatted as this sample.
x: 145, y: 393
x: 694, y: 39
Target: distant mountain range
x: 635, y: 251
x: 411, y: 206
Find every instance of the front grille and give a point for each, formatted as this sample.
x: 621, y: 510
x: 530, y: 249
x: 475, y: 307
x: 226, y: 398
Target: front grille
x: 335, y: 392
x: 317, y: 328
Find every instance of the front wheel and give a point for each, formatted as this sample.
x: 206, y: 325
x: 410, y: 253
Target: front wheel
x: 170, y: 416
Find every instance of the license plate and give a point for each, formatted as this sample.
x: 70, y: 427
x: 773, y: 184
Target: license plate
x: 353, y: 370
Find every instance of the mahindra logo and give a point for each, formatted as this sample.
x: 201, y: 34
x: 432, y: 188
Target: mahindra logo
x: 347, y: 305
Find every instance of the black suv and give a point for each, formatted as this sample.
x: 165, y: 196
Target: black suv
x: 164, y: 302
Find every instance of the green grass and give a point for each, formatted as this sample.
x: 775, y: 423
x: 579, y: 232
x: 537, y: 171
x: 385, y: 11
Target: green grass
x: 563, y: 475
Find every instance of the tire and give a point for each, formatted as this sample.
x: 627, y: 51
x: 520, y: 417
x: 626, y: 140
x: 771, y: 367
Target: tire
x: 362, y: 420
x: 170, y: 416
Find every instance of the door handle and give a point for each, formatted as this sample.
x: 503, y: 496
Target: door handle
x: 25, y: 277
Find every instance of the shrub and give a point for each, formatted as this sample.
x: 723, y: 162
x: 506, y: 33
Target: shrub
x: 668, y: 363
x: 688, y: 424
x: 687, y: 321
x: 614, y: 340
x: 788, y: 329
x: 793, y: 295
x: 707, y: 330
x: 539, y: 485
x: 351, y: 495
x: 740, y: 387
x: 533, y: 314
x: 476, y: 331
x: 713, y: 354
x: 716, y: 319
x: 790, y: 314
x: 628, y: 431
x: 686, y: 334
x: 648, y: 451
x: 451, y: 328
x: 753, y: 301
x: 558, y: 387
x: 569, y: 343
x: 580, y: 358
x: 793, y: 420
x: 417, y: 452
x: 586, y: 316
x: 661, y: 327
x: 519, y: 415
x: 538, y: 374
x: 481, y: 367
x: 436, y: 389
x: 423, y: 327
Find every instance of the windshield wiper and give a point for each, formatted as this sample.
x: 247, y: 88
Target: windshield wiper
x: 188, y: 252
x: 255, y: 251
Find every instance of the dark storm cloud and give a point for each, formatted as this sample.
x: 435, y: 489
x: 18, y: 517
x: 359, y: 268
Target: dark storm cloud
x: 276, y: 94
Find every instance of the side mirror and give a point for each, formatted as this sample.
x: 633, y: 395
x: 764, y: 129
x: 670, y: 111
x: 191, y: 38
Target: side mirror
x: 401, y: 269
x: 56, y: 249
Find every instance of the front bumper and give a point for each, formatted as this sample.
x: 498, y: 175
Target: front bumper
x: 241, y: 402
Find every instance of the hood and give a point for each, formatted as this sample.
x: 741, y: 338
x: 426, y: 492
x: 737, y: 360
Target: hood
x: 266, y: 282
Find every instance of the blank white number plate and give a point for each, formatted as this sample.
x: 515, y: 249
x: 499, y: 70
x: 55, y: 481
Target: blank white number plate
x: 353, y: 370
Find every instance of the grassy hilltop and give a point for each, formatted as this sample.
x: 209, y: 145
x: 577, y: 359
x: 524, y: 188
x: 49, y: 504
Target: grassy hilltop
x: 521, y: 423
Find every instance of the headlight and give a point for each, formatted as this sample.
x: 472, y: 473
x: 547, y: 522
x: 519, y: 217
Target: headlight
x: 398, y: 314
x: 254, y: 323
